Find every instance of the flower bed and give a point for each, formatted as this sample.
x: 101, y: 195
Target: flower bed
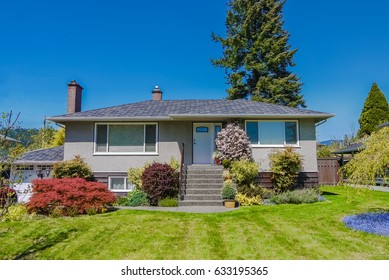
x: 375, y: 223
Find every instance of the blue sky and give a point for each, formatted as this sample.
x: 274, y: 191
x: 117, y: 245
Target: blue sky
x: 119, y: 50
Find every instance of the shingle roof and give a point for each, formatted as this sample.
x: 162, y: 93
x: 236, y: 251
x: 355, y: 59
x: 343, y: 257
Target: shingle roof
x: 42, y: 156
x: 174, y: 109
x: 356, y: 147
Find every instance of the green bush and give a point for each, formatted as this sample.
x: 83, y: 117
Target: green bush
x: 16, y: 212
x: 168, y: 202
x: 74, y: 168
x: 134, y: 198
x: 228, y: 191
x: 285, y: 166
x: 174, y: 163
x: 244, y: 172
x: 297, y: 196
x: 253, y: 190
x: 135, y: 176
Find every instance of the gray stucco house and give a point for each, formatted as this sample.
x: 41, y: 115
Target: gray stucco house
x: 113, y: 139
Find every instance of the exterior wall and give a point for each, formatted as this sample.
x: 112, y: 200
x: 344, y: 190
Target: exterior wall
x: 80, y: 137
x: 307, y: 148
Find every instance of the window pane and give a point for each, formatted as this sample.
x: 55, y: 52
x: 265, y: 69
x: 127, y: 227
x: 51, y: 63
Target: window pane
x: 291, y: 133
x: 117, y: 184
x: 252, y: 132
x: 151, y: 138
x: 271, y: 133
x: 126, y: 138
x: 101, y: 138
x: 202, y: 129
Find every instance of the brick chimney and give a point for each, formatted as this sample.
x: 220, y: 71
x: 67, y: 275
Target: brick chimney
x: 157, y: 93
x: 74, y: 97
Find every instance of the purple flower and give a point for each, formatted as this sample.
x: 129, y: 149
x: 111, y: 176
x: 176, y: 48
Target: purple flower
x: 375, y: 223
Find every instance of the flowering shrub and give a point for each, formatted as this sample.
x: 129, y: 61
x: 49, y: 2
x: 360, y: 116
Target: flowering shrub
x: 68, y: 197
x: 233, y: 144
x: 74, y: 168
x: 160, y: 180
x: 376, y: 223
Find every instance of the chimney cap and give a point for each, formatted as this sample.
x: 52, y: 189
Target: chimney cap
x: 74, y: 83
x: 157, y: 90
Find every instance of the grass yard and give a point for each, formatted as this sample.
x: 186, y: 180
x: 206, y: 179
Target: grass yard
x: 311, y: 231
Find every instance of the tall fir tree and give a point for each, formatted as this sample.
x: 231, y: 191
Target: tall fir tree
x: 375, y: 111
x: 256, y: 54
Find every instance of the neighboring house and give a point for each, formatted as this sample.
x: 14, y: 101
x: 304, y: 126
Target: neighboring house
x: 33, y: 165
x: 8, y: 139
x: 113, y: 139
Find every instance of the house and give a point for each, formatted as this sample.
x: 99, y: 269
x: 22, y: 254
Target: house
x: 33, y: 165
x: 113, y: 139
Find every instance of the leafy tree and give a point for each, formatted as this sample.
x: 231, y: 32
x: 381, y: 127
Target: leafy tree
x: 257, y: 55
x: 8, y: 154
x: 371, y: 162
x: 58, y: 138
x: 375, y: 111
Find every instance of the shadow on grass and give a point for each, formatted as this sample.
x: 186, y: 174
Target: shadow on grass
x: 42, y: 243
x: 328, y: 193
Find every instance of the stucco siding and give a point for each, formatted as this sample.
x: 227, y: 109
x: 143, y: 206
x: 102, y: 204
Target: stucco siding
x: 80, y: 141
x: 307, y: 148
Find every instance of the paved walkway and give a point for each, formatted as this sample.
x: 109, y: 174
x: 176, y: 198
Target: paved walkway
x: 188, y: 209
x: 381, y: 189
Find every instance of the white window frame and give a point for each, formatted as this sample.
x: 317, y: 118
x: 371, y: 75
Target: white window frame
x: 276, y: 145
x: 126, y: 184
x: 128, y: 153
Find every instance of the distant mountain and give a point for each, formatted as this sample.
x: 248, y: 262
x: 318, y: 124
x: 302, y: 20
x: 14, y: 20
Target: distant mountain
x: 330, y: 142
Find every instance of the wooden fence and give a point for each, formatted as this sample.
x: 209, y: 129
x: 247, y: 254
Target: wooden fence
x: 328, y: 171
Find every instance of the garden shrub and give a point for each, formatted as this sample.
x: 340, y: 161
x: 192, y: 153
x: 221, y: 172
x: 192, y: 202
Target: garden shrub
x: 68, y: 197
x: 310, y: 195
x: 229, y: 190
x: 244, y: 172
x: 134, y: 198
x: 74, y: 168
x: 160, y: 180
x: 168, y: 202
x: 174, y: 163
x: 17, y: 212
x: 251, y: 190
x: 135, y: 176
x: 227, y: 175
x: 285, y: 166
x: 245, y: 200
x: 233, y: 144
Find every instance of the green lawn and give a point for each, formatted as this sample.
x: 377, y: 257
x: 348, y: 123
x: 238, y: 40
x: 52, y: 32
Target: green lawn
x: 311, y: 231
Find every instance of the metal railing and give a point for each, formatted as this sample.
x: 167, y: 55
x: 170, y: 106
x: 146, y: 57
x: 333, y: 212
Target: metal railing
x: 181, y: 175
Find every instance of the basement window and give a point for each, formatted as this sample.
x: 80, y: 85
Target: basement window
x: 119, y: 184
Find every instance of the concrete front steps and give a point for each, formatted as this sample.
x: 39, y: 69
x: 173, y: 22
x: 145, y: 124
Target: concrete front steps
x: 203, y: 186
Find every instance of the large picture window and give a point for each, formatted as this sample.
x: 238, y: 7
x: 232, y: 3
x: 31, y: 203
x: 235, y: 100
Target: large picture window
x: 272, y: 133
x: 126, y: 138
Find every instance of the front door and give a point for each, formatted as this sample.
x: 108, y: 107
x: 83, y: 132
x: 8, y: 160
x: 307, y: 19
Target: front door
x: 204, y: 135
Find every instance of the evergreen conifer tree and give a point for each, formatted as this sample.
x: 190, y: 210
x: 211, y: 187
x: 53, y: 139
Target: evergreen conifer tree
x: 375, y: 111
x: 257, y: 55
